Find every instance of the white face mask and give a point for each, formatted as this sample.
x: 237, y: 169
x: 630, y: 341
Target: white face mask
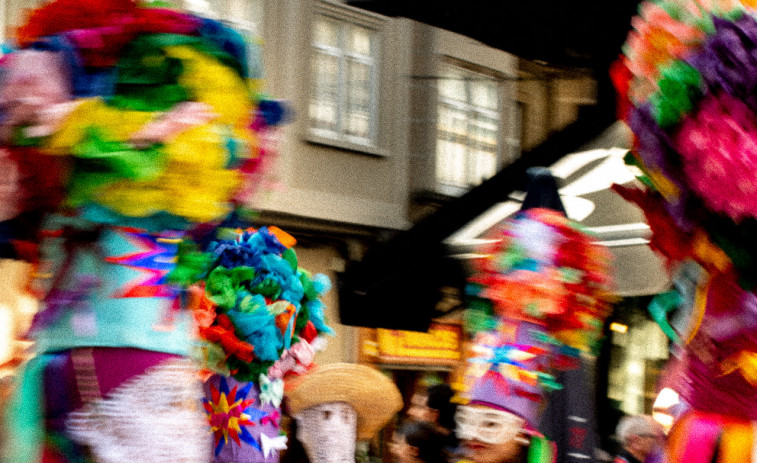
x: 487, y: 425
x: 154, y: 417
x: 328, y: 432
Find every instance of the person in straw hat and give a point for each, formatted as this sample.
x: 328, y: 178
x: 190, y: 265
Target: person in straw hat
x: 338, y: 404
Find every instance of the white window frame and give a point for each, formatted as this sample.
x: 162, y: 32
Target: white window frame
x: 346, y: 16
x: 471, y: 110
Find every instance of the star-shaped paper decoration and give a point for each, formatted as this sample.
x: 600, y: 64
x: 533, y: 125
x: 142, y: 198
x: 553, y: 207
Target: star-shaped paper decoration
x: 229, y: 414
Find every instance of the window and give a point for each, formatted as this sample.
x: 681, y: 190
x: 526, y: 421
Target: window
x: 343, y: 98
x: 468, y: 127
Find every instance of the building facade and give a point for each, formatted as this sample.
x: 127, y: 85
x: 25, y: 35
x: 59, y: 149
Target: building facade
x: 391, y: 119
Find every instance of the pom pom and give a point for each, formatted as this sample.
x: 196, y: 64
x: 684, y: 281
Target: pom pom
x: 545, y: 271
x: 727, y: 61
x: 316, y: 309
x: 718, y: 145
x: 679, y: 88
x: 259, y: 329
x: 321, y: 283
x: 270, y: 301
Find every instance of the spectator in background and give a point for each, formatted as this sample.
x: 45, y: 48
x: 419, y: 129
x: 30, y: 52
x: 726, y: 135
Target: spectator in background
x: 434, y: 406
x: 417, y: 442
x: 639, y: 436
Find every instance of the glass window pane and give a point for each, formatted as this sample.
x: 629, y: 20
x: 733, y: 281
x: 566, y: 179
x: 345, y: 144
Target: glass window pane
x: 324, y: 104
x: 326, y: 32
x: 453, y: 121
x: 484, y: 130
x: 359, y: 125
x: 359, y: 41
x: 450, y: 163
x: 218, y: 9
x: 484, y: 94
x: 359, y: 100
x: 244, y: 15
x: 452, y: 84
x: 468, y: 127
x: 344, y: 70
x: 483, y: 166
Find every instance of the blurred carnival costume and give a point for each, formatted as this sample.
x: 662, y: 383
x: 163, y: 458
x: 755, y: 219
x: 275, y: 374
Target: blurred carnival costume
x: 337, y: 404
x: 687, y: 88
x: 538, y: 299
x: 261, y: 317
x: 125, y: 127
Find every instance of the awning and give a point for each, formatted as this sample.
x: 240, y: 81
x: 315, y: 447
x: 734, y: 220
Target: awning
x: 400, y: 282
x: 585, y: 178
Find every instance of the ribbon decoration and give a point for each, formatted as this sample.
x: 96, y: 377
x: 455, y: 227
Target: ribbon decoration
x: 272, y: 418
x: 271, y: 391
x: 272, y: 444
x: 660, y: 307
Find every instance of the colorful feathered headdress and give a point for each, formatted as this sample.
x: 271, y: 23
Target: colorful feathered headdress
x: 687, y: 83
x: 687, y: 86
x: 537, y: 300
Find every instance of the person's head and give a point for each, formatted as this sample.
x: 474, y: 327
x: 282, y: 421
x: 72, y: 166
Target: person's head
x: 434, y: 405
x: 336, y: 404
x: 417, y: 442
x: 491, y: 435
x: 328, y: 432
x: 640, y: 435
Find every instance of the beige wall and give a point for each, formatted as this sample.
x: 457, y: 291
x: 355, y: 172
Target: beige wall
x: 551, y: 100
x: 342, y: 347
x: 331, y: 180
x: 570, y: 95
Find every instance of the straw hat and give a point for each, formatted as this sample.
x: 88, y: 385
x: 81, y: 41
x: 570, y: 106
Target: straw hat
x: 373, y: 396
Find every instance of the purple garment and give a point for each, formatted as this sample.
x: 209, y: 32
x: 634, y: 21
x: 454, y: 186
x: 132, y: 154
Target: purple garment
x: 657, y: 456
x: 113, y: 366
x: 264, y: 417
x: 59, y: 391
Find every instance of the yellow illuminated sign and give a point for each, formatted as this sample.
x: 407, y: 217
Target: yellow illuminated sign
x: 440, y: 343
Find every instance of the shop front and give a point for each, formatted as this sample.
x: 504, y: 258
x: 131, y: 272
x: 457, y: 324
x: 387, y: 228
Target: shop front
x: 414, y: 361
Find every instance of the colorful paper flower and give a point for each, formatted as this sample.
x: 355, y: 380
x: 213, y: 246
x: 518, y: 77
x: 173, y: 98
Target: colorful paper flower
x: 693, y: 113
x: 543, y: 270
x: 718, y: 146
x: 149, y: 100
x: 726, y: 60
x: 269, y: 301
